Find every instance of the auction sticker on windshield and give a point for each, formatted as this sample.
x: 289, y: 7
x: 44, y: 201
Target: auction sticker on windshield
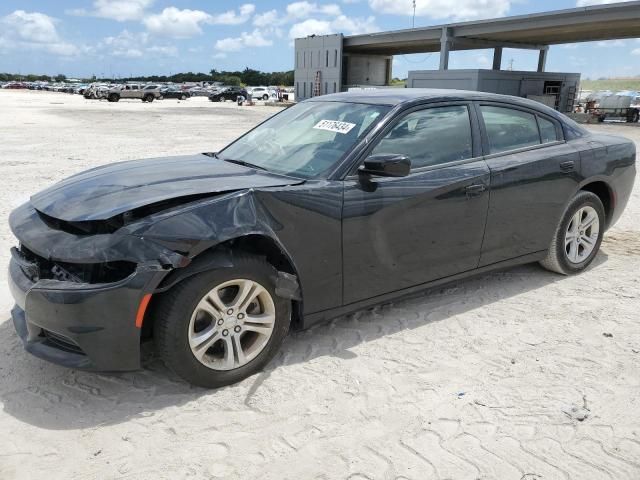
x: 334, y: 126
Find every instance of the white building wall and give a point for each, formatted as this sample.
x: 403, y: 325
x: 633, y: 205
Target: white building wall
x: 320, y: 53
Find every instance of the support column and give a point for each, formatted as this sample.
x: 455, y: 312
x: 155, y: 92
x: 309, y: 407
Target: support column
x: 497, y: 58
x: 542, y: 59
x: 445, y: 47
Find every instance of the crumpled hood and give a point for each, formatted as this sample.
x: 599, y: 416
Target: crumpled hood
x: 103, y: 192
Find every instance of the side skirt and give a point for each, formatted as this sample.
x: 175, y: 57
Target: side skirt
x: 311, y: 319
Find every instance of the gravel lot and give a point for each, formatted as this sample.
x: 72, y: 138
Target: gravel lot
x: 488, y: 378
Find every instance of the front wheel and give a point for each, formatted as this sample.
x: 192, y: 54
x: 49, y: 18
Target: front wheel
x: 577, y: 238
x: 147, y: 98
x: 221, y: 326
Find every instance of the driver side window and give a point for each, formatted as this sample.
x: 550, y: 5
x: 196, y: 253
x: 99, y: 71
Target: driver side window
x: 430, y: 137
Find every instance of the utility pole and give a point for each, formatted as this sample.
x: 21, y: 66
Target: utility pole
x: 413, y: 22
x: 511, y: 64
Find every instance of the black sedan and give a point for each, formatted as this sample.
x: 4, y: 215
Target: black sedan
x: 174, y: 93
x: 227, y: 93
x: 333, y: 205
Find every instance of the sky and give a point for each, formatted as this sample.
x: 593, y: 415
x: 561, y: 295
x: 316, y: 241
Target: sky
x: 120, y: 38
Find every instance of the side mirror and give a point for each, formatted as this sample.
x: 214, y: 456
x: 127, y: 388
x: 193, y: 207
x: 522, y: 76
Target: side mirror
x: 387, y: 165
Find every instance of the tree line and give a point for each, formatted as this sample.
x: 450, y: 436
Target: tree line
x: 16, y: 77
x: 248, y: 76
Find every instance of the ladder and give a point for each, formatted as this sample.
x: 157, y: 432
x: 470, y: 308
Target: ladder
x: 317, y: 89
x: 571, y: 99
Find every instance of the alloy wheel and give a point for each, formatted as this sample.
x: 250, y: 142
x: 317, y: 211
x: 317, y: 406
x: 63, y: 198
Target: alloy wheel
x: 232, y: 324
x: 582, y: 233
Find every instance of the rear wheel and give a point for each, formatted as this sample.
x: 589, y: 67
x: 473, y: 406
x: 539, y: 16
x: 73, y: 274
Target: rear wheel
x: 183, y: 97
x: 113, y: 97
x: 578, y: 237
x: 221, y: 326
x: 265, y: 97
x: 147, y: 98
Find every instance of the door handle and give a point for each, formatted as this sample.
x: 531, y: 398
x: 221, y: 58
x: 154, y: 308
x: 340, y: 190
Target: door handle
x: 567, y: 166
x: 475, y: 190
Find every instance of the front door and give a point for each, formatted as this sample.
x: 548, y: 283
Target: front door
x: 402, y: 232
x: 127, y: 92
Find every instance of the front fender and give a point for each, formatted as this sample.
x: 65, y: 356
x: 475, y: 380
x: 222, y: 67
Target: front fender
x: 204, y: 224
x: 198, y: 229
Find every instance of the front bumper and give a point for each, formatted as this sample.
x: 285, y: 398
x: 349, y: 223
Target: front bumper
x: 79, y: 325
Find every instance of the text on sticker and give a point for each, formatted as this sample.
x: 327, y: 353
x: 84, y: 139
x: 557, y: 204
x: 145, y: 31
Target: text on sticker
x: 334, y: 126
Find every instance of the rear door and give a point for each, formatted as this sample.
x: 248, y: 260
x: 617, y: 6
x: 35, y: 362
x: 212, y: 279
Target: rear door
x: 534, y: 172
x: 402, y: 232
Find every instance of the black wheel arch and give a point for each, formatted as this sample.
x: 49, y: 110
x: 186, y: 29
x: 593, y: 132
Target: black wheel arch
x: 221, y: 256
x: 605, y: 193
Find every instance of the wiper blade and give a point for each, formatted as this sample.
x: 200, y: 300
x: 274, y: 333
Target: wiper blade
x: 242, y: 162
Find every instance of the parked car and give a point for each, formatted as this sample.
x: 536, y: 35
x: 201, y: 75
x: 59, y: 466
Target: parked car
x: 146, y: 93
x: 226, y: 93
x: 16, y: 85
x: 96, y: 91
x: 335, y: 204
x: 174, y: 92
x: 260, y: 93
x: 199, y: 92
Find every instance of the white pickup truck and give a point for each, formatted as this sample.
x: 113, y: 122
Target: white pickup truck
x: 146, y: 93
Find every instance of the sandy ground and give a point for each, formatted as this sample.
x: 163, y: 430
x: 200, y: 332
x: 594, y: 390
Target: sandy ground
x: 485, y: 379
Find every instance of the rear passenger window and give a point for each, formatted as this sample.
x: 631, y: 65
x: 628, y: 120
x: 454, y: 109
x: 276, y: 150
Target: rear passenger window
x: 430, y: 137
x: 548, y: 132
x: 509, y: 129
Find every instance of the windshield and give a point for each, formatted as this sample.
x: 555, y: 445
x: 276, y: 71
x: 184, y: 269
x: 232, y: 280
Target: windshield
x: 305, y: 140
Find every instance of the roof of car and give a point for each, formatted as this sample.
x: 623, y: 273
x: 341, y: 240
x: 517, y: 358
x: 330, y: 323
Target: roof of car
x: 396, y: 96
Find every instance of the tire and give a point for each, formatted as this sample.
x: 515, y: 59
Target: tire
x: 178, y: 313
x: 183, y: 97
x: 147, y: 98
x: 584, y: 204
x: 113, y: 97
x: 633, y: 116
x: 265, y: 97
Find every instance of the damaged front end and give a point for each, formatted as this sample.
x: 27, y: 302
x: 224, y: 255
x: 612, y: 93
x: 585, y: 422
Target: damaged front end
x: 81, y: 288
x: 77, y: 296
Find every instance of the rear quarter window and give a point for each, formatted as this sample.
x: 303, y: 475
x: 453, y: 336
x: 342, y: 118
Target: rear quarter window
x: 548, y: 130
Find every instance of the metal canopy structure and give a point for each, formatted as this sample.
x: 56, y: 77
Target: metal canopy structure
x: 535, y: 31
